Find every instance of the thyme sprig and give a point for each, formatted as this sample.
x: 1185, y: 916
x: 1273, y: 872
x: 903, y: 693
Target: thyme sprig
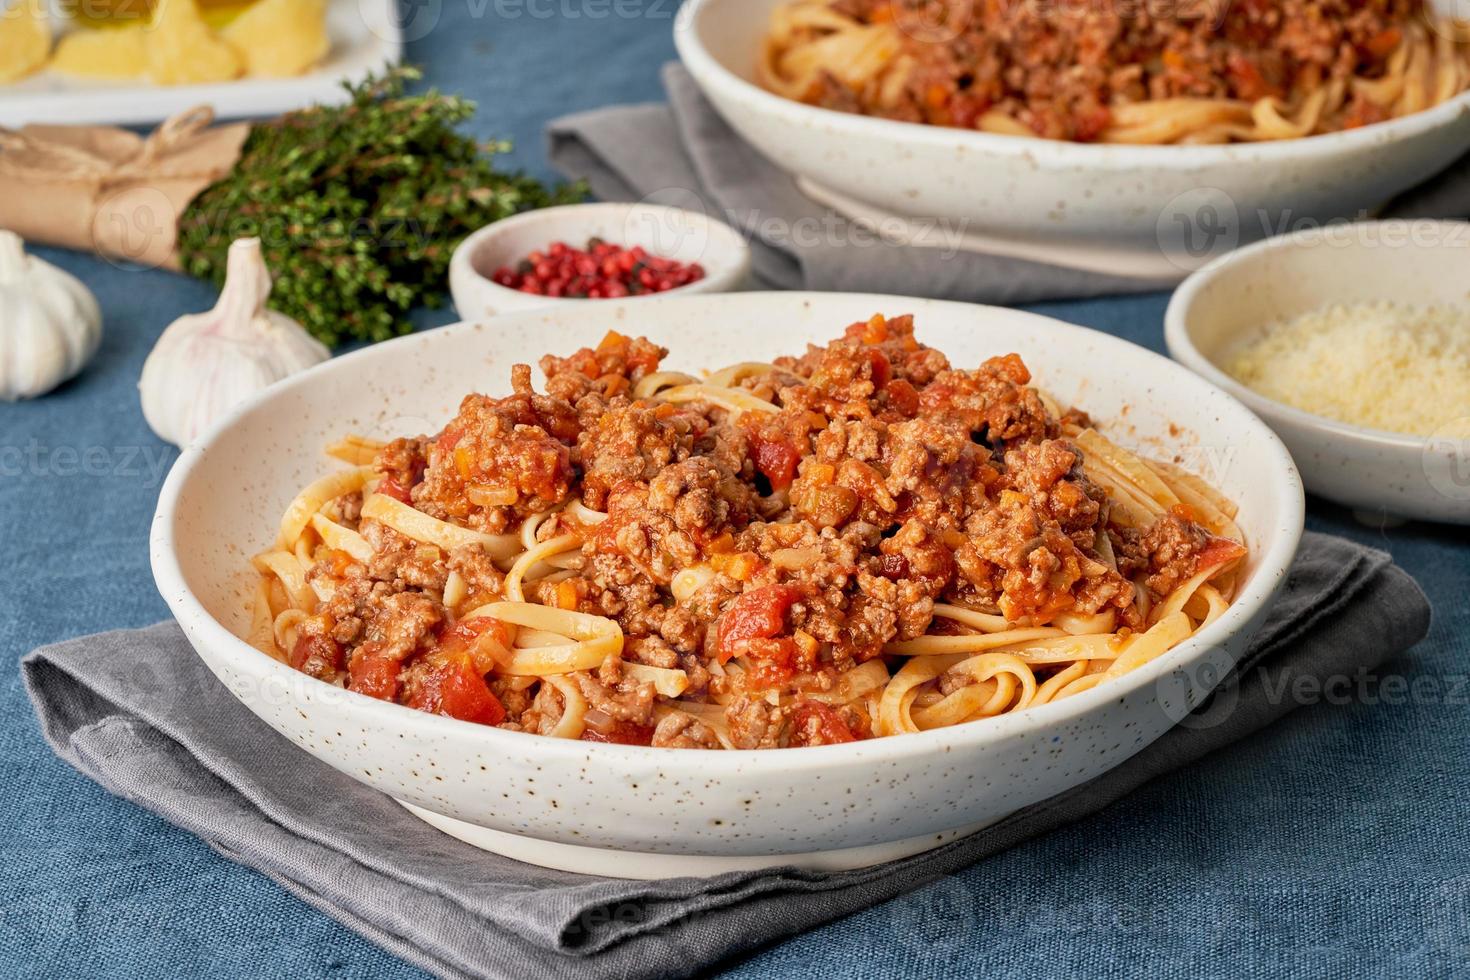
x: 359, y: 206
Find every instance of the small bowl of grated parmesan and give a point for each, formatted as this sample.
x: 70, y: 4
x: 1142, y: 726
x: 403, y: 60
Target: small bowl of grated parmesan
x: 1352, y: 341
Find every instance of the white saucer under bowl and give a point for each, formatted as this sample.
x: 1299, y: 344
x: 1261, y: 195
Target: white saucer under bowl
x: 652, y: 866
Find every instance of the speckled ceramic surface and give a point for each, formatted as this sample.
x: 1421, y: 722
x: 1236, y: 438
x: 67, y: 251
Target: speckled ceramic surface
x: 224, y: 498
x: 1184, y: 204
x: 1232, y: 300
x: 670, y: 233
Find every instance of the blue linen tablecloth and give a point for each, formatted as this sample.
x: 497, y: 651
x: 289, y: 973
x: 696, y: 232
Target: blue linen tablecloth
x: 1336, y: 842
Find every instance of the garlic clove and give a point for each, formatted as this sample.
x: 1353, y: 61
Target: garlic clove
x: 50, y: 323
x: 207, y: 364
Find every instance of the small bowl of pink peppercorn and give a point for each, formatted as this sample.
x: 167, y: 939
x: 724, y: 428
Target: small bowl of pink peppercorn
x: 587, y: 252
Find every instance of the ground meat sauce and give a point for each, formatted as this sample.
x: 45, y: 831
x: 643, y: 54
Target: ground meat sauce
x: 887, y: 480
x: 1059, y: 66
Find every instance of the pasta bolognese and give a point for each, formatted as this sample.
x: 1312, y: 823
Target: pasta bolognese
x: 863, y: 540
x: 1192, y: 71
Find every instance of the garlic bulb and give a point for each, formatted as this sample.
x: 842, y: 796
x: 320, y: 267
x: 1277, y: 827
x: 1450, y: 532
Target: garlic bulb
x: 50, y: 325
x: 208, y: 363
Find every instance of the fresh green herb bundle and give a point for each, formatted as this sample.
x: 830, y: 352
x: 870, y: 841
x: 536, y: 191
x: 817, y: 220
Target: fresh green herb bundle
x: 358, y: 207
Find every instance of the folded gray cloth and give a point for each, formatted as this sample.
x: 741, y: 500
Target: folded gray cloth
x: 685, y: 154
x: 138, y: 712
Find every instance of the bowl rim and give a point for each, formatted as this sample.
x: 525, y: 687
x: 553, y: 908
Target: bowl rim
x: 1179, y: 338
x: 710, y: 72
x: 717, y: 279
x: 1275, y: 557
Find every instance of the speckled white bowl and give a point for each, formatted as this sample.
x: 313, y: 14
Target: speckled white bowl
x: 1140, y: 210
x: 667, y: 232
x: 641, y: 812
x: 1229, y: 302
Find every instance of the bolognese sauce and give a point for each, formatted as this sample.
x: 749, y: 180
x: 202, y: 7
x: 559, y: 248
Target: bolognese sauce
x: 635, y: 556
x: 1080, y: 69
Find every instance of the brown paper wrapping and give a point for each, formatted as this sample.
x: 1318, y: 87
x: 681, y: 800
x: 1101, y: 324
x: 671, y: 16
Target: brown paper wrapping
x: 110, y: 191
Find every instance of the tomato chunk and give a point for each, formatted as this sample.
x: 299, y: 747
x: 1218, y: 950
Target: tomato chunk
x: 450, y: 438
x: 392, y: 488
x: 621, y: 733
x: 814, y: 723
x: 373, y: 674
x: 882, y: 368
x: 1384, y: 43
x: 776, y: 458
x: 316, y: 654
x: 1250, y: 84
x: 451, y: 685
x: 903, y: 396
x: 758, y: 614
x: 772, y: 662
x: 1219, y: 552
x: 484, y: 639
x: 1010, y: 367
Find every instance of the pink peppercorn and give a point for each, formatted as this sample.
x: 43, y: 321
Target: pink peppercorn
x: 602, y: 270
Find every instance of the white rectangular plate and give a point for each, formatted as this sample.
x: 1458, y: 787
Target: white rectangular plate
x: 365, y: 34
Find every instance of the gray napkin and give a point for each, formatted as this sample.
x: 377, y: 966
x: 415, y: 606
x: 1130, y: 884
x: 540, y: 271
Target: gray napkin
x: 138, y: 712
x: 686, y: 155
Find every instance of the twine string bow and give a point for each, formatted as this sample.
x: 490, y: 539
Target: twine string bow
x: 32, y: 155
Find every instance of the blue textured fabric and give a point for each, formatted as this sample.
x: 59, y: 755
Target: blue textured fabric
x: 1337, y: 842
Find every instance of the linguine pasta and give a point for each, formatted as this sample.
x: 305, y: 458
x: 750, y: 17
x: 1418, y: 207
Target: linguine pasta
x: 1034, y: 68
x: 862, y: 541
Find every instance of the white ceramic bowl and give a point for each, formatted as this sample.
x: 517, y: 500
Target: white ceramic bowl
x: 669, y: 233
x: 1233, y: 299
x: 1179, y: 205
x: 643, y: 812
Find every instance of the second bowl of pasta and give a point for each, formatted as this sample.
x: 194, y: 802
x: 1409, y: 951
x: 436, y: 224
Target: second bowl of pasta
x: 1144, y: 145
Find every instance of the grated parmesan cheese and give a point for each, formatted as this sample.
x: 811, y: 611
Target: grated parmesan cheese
x: 1382, y: 365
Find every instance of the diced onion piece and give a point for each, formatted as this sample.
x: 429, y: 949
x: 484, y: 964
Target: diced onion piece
x: 666, y: 681
x: 688, y: 581
x: 485, y: 495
